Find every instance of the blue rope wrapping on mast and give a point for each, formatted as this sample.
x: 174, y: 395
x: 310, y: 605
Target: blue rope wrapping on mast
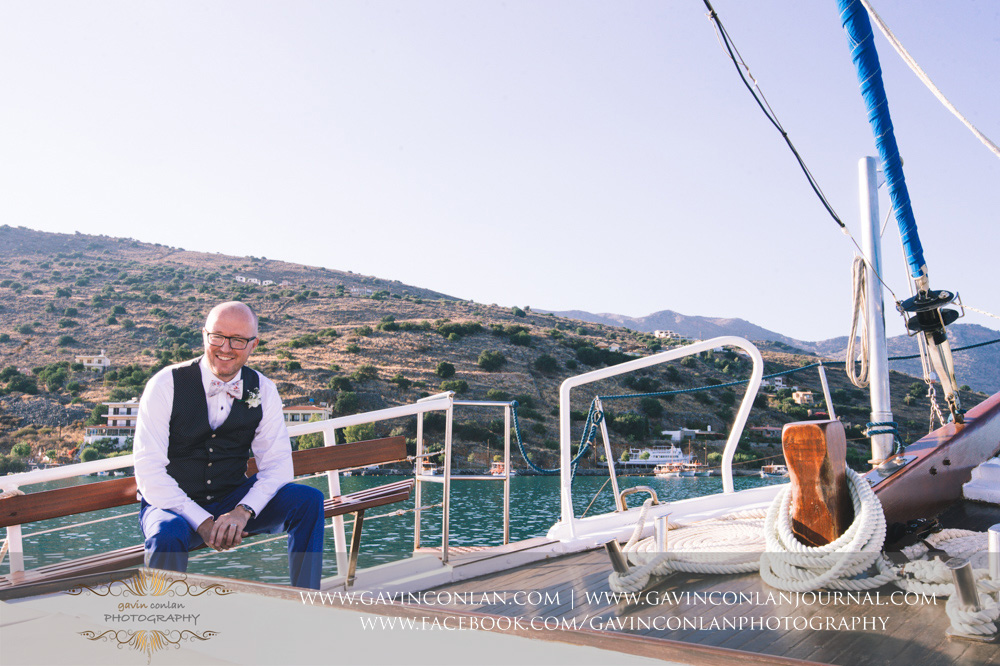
x: 854, y: 18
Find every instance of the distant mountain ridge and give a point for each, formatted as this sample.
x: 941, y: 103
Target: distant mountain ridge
x: 979, y: 368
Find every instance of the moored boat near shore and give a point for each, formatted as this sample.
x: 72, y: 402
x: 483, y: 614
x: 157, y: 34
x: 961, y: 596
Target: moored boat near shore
x: 774, y: 471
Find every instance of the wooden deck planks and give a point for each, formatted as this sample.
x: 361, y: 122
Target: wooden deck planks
x: 914, y: 634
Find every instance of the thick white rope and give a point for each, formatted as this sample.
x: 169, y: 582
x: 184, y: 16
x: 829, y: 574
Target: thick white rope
x: 859, y: 300
x: 932, y: 577
x: 726, y: 545
x: 922, y: 75
x: 974, y: 623
x: 737, y: 543
x: 747, y: 541
x: 790, y: 565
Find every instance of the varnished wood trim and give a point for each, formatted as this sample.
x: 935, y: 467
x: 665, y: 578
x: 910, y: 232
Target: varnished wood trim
x: 32, y: 507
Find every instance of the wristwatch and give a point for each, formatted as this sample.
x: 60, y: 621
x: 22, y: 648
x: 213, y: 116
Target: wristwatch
x: 246, y: 507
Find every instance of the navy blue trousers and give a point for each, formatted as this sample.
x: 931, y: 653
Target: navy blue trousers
x: 295, y: 509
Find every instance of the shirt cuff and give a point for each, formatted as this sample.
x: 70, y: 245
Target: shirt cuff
x: 255, y: 501
x: 194, y: 514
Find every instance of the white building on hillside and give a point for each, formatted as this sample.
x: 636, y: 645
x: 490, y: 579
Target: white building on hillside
x: 121, y: 421
x: 95, y: 362
x: 803, y: 397
x: 305, y: 413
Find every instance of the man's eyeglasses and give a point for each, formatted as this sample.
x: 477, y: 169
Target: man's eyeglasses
x: 217, y: 340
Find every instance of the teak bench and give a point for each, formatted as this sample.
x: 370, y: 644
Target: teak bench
x: 29, y: 508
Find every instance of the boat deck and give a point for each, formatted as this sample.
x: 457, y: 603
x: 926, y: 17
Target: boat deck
x: 739, y: 615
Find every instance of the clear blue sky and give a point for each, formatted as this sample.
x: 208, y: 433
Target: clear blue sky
x: 564, y: 155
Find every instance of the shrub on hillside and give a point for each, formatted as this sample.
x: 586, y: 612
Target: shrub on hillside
x: 364, y: 372
x: 546, y: 363
x: 339, y: 383
x: 491, y: 360
x: 456, y: 385
x: 445, y: 370
x: 360, y: 432
x: 346, y: 402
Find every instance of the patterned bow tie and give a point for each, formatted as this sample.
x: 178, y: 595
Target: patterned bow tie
x: 234, y: 388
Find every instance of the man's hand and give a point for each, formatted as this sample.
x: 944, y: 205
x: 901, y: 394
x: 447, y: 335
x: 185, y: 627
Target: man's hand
x: 227, y: 531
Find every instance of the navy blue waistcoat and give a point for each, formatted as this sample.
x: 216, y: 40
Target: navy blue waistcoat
x: 208, y: 463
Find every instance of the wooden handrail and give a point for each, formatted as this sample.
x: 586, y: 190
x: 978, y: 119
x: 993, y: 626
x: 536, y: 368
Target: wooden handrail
x: 32, y: 507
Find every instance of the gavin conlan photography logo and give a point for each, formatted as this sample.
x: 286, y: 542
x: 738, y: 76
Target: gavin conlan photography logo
x: 152, y: 611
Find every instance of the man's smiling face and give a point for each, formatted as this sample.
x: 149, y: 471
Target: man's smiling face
x: 231, y: 320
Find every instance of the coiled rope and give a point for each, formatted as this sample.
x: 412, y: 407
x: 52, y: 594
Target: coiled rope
x: 841, y: 564
x: 727, y: 545
x: 763, y: 541
x: 859, y: 290
x: 756, y: 540
x: 933, y: 577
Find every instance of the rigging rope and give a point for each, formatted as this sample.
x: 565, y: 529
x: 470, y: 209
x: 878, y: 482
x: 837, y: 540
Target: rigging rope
x: 922, y: 75
x: 859, y: 314
x: 758, y: 97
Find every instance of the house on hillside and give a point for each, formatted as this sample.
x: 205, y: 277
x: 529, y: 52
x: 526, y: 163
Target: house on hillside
x: 96, y: 362
x: 361, y: 291
x: 121, y: 421
x: 253, y: 280
x: 803, y: 397
x: 305, y: 413
x: 240, y: 278
x: 665, y: 334
x: 774, y: 382
x: 267, y: 282
x: 766, y: 431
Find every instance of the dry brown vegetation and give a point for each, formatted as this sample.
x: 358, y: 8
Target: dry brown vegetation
x: 145, y: 304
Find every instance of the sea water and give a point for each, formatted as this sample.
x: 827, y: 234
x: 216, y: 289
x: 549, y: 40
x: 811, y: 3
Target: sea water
x: 476, y: 519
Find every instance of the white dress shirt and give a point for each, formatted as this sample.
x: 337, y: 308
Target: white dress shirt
x: 270, y: 445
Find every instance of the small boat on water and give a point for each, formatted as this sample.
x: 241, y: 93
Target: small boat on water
x: 427, y: 468
x: 668, y: 470
x: 653, y: 456
x: 773, y: 471
x: 497, y: 468
x: 694, y: 468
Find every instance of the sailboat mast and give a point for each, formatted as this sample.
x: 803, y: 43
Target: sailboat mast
x: 882, y: 442
x: 928, y: 317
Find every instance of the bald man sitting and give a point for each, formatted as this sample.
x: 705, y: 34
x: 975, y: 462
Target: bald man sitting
x: 199, y: 423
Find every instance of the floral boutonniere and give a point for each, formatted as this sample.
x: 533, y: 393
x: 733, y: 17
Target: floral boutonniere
x: 252, y: 398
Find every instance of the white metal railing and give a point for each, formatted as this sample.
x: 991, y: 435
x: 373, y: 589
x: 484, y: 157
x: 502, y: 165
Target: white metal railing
x: 565, y: 443
x: 447, y: 477
x: 439, y: 402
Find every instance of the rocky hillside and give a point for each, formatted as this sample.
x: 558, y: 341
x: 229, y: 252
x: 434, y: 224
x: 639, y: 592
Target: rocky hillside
x: 978, y: 368
x: 355, y: 342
